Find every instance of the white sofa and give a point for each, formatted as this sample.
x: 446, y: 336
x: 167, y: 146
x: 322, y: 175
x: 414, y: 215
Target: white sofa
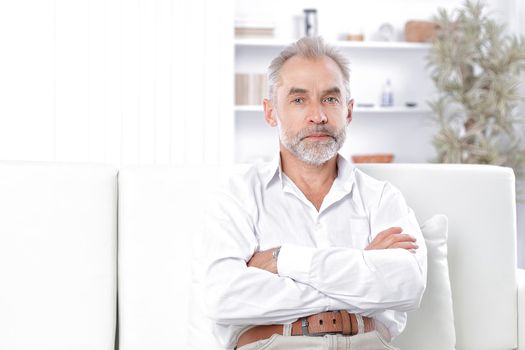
x: 61, y: 226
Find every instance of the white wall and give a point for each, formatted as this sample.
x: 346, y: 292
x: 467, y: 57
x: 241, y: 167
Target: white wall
x: 116, y: 81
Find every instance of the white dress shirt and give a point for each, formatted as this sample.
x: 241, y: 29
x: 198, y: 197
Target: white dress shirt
x: 322, y: 264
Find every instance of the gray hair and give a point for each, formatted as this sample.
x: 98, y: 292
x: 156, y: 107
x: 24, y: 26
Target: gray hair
x: 310, y: 48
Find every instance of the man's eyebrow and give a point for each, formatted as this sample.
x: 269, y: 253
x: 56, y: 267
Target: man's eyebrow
x: 295, y: 90
x: 334, y: 90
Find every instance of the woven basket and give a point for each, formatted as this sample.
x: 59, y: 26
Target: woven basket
x: 373, y: 158
x: 420, y: 31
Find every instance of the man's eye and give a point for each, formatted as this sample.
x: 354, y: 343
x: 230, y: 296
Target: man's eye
x: 297, y: 100
x: 331, y: 99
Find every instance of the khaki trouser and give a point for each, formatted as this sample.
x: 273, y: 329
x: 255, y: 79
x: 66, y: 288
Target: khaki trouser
x: 364, y: 341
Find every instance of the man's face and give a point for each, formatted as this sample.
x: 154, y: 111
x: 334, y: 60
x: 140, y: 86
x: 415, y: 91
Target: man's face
x: 311, y: 109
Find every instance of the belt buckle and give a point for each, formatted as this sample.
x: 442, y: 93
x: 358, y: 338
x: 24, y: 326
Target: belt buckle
x: 304, y: 328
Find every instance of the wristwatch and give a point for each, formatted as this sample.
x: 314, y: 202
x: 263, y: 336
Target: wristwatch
x: 275, y: 253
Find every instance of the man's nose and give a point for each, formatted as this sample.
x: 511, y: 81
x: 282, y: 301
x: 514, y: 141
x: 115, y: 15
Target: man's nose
x: 317, y: 115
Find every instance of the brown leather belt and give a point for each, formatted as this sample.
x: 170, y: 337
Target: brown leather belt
x: 331, y: 322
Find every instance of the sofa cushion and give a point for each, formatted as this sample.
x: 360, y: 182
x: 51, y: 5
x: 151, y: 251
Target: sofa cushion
x: 160, y: 218
x: 58, y: 238
x: 480, y: 204
x: 432, y: 326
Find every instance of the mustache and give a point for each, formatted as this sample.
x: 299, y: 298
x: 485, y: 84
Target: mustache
x: 317, y: 129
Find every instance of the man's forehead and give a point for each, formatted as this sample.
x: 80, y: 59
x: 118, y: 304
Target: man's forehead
x: 301, y: 72
x: 299, y: 90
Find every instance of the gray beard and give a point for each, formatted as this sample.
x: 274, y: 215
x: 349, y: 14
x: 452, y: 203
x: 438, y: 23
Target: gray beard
x: 316, y: 152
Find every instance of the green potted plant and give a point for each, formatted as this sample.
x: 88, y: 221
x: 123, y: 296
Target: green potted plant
x: 476, y: 68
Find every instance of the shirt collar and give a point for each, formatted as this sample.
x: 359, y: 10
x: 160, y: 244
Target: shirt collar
x: 345, y: 173
x: 272, y: 170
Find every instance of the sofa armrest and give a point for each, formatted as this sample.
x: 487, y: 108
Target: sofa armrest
x: 521, y: 308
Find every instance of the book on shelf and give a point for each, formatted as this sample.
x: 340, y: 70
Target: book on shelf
x: 253, y: 29
x: 254, y: 33
x: 250, y: 89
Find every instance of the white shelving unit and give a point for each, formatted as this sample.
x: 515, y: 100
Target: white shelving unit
x: 341, y: 44
x: 358, y: 110
x: 401, y: 130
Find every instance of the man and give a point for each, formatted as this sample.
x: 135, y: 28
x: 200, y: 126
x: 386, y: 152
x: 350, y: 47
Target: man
x: 308, y: 252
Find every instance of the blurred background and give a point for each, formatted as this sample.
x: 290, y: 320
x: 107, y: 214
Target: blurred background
x: 171, y: 82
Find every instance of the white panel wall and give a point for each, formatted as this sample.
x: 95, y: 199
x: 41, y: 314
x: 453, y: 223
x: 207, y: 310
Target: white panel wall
x: 116, y: 81
x: 26, y: 79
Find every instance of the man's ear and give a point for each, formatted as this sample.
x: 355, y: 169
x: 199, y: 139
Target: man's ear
x: 269, y: 115
x: 350, y: 111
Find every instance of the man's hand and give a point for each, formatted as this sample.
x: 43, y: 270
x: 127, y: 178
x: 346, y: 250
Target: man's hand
x: 393, y: 238
x: 264, y: 260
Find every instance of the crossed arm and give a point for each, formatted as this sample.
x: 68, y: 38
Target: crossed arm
x: 243, y: 287
x: 388, y: 239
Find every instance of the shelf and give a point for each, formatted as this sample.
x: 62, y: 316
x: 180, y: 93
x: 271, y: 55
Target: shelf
x: 359, y: 110
x: 248, y: 108
x: 279, y: 44
x: 392, y: 110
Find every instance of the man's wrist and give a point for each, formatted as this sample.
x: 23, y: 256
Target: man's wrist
x: 275, y: 253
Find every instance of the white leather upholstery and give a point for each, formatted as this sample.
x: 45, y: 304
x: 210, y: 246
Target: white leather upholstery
x: 161, y: 207
x: 58, y: 260
x: 57, y: 256
x: 480, y: 205
x: 521, y: 309
x: 160, y: 212
x: 433, y: 323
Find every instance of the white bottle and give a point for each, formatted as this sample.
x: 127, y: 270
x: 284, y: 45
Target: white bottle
x: 387, y: 97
